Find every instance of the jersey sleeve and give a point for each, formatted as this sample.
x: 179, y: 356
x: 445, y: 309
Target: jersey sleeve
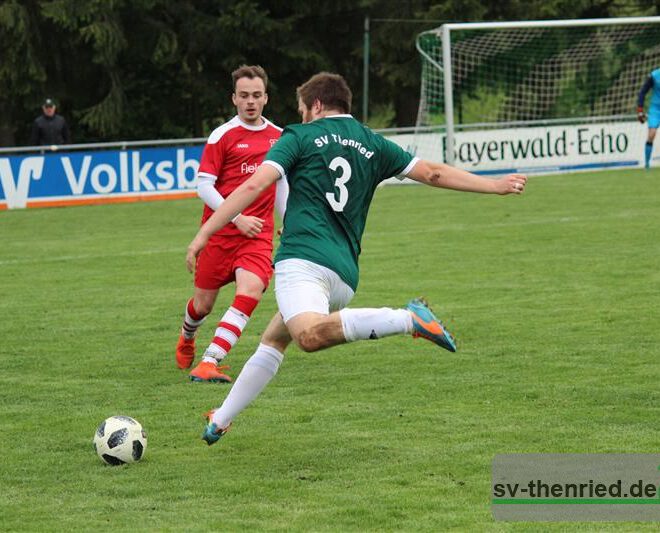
x: 648, y: 84
x: 394, y: 160
x: 212, y: 160
x: 285, y: 152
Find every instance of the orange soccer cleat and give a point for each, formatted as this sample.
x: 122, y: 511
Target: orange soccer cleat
x: 185, y: 352
x: 209, y: 372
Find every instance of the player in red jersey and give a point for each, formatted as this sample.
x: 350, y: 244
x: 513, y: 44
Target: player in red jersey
x: 242, y: 251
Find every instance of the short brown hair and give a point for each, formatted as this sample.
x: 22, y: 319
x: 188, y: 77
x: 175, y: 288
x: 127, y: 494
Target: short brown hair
x: 330, y: 89
x: 249, y: 71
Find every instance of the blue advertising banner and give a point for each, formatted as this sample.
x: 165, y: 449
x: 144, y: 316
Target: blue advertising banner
x: 73, y: 178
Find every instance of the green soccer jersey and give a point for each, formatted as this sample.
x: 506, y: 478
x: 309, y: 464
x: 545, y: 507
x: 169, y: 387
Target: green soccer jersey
x: 333, y: 166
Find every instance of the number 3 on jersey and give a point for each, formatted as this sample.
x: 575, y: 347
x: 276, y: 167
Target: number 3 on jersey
x: 340, y: 183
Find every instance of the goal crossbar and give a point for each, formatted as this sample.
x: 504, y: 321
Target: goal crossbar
x: 443, y: 62
x: 547, y: 23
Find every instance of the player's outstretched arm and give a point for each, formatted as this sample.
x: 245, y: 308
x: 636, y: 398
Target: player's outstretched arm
x: 238, y: 200
x: 448, y: 177
x: 648, y: 84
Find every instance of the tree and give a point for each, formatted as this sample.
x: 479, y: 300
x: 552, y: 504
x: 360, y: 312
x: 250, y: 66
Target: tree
x: 21, y: 70
x: 155, y: 69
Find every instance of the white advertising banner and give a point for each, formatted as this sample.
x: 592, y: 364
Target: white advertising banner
x: 536, y: 150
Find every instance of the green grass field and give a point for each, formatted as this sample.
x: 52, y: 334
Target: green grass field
x: 554, y: 297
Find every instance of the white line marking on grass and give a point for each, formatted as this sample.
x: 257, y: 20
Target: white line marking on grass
x: 368, y: 234
x: 513, y: 223
x: 83, y: 257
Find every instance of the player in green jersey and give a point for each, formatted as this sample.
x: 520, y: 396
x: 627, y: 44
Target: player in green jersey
x: 333, y: 165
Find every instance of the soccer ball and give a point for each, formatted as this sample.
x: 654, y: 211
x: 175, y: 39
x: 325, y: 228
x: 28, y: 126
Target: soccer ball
x: 119, y: 440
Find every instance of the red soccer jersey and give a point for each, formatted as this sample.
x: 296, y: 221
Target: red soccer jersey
x: 231, y: 155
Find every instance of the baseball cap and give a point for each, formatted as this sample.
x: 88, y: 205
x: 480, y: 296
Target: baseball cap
x: 49, y: 102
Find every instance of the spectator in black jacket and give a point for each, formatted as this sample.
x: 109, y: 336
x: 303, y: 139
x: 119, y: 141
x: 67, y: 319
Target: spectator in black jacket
x: 49, y: 128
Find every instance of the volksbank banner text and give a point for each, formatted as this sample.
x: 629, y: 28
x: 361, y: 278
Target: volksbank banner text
x: 98, y: 177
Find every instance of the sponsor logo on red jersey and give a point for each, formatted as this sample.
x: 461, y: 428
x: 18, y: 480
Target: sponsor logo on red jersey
x: 249, y: 168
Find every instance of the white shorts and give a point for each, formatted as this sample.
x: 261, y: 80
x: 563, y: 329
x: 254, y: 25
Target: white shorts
x: 302, y: 286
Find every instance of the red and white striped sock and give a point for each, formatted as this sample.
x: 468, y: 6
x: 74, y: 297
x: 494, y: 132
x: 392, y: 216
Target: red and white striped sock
x: 230, y: 327
x: 192, y: 321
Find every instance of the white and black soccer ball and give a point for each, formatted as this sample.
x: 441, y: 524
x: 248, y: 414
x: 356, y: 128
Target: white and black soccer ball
x: 119, y: 440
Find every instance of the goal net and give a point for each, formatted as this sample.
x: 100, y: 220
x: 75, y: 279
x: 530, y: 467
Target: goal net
x: 540, y: 96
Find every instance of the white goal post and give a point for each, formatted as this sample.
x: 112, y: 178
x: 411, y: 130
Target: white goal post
x: 535, y: 96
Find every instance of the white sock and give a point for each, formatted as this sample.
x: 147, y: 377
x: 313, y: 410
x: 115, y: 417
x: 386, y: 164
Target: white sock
x: 361, y: 324
x: 256, y: 374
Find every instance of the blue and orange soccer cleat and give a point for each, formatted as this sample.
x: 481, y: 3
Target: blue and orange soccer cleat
x: 427, y: 325
x: 212, y: 432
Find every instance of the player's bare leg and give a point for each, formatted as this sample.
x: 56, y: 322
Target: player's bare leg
x: 197, y: 309
x: 256, y: 374
x: 249, y: 290
x: 277, y: 334
x: 204, y: 300
x: 314, y: 331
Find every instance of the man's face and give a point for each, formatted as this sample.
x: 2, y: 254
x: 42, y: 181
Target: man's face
x: 49, y: 111
x: 304, y: 112
x: 250, y: 98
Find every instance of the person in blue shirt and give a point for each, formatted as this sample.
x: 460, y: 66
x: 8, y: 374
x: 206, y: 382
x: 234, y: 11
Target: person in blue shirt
x: 652, y: 82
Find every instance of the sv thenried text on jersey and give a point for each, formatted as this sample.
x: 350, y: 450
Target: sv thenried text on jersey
x: 325, y: 140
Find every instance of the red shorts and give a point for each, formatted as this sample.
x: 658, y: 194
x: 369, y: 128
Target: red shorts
x: 218, y: 261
